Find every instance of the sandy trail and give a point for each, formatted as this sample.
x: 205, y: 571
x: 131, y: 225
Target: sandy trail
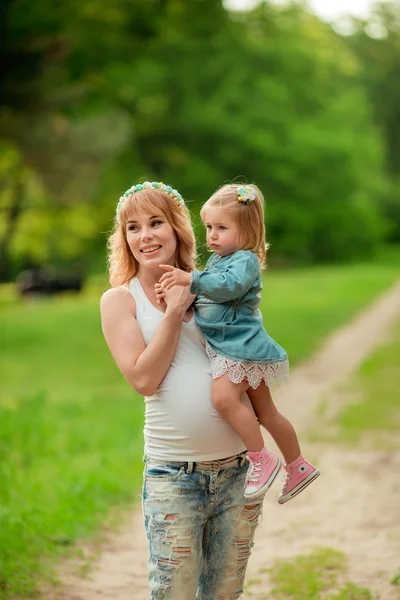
x: 353, y: 506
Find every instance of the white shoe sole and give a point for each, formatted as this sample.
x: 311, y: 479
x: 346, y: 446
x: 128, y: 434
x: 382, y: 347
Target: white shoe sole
x: 267, y: 484
x: 300, y: 487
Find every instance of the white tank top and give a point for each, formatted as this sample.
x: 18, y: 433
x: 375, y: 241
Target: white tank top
x: 181, y: 422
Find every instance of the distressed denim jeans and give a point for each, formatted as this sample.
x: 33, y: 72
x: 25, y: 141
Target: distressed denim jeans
x: 199, y: 528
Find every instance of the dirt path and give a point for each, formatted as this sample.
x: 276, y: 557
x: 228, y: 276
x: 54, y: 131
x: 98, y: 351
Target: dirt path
x: 353, y: 506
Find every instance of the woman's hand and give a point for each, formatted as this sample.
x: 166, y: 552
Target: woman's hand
x: 177, y: 299
x: 174, y: 276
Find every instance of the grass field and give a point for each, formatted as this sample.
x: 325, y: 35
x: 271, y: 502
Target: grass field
x: 371, y: 415
x: 377, y: 385
x: 71, y: 428
x: 314, y: 576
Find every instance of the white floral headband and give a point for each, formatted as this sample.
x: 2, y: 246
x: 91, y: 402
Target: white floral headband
x: 147, y: 185
x: 246, y: 194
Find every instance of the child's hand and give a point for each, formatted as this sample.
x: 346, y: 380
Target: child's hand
x: 174, y: 277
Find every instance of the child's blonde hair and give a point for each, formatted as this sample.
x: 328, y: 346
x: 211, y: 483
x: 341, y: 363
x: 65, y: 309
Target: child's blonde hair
x: 249, y: 216
x: 121, y: 262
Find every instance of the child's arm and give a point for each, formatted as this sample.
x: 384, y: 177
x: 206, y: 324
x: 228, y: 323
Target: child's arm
x: 219, y: 286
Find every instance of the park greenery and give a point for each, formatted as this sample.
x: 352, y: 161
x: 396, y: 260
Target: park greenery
x: 71, y: 439
x: 97, y: 96
x: 360, y: 421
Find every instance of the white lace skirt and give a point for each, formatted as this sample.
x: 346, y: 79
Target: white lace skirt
x: 254, y: 373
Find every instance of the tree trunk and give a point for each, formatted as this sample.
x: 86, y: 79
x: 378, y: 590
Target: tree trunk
x: 12, y: 215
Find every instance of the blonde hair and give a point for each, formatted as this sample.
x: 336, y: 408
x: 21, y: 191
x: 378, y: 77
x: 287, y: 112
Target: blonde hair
x: 249, y: 217
x: 122, y: 265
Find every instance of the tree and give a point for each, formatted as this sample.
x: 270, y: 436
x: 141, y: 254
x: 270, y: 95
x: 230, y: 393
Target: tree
x: 376, y: 42
x: 188, y: 93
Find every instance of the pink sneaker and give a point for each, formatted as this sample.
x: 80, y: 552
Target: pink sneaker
x: 264, y: 467
x: 299, y: 474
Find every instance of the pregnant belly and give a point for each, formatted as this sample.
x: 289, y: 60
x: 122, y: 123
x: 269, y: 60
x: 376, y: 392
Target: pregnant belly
x: 181, y: 417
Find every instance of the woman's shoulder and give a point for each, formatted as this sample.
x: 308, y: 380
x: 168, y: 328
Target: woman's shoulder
x: 115, y: 299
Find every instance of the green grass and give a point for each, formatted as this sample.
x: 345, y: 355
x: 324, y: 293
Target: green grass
x: 301, y: 307
x: 71, y: 428
x: 350, y: 591
x: 313, y: 576
x: 396, y: 579
x: 378, y: 385
x: 70, y: 435
x: 375, y: 412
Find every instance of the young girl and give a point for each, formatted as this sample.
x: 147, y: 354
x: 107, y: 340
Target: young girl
x: 243, y: 356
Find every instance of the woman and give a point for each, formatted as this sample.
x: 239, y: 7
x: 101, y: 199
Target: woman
x: 199, y: 528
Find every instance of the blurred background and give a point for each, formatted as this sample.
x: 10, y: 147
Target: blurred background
x: 301, y: 98
x: 197, y: 93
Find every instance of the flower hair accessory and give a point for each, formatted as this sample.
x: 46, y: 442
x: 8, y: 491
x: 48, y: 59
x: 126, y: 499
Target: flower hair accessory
x: 156, y: 185
x: 246, y: 194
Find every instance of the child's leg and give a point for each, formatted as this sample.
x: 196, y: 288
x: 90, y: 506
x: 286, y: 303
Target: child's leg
x: 264, y: 466
x: 278, y: 426
x: 299, y: 472
x: 226, y: 397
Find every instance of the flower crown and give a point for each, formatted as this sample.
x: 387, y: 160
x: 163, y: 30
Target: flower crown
x: 156, y: 185
x: 246, y: 194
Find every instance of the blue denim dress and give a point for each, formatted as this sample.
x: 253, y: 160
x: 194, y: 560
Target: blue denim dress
x: 227, y: 311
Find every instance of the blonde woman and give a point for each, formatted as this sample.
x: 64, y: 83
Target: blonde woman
x: 199, y: 527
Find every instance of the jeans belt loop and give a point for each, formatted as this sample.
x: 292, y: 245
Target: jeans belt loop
x: 241, y: 459
x: 189, y: 467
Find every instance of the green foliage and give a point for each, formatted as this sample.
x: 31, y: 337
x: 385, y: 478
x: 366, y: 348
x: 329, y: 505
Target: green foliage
x: 187, y: 93
x: 379, y: 56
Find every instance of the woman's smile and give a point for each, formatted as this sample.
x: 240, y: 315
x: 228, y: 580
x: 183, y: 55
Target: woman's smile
x: 151, y: 249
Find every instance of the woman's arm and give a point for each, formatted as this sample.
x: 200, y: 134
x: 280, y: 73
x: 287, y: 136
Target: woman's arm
x: 144, y: 367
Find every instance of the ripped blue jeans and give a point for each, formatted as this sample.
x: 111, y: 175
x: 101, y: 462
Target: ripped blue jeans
x: 199, y: 528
